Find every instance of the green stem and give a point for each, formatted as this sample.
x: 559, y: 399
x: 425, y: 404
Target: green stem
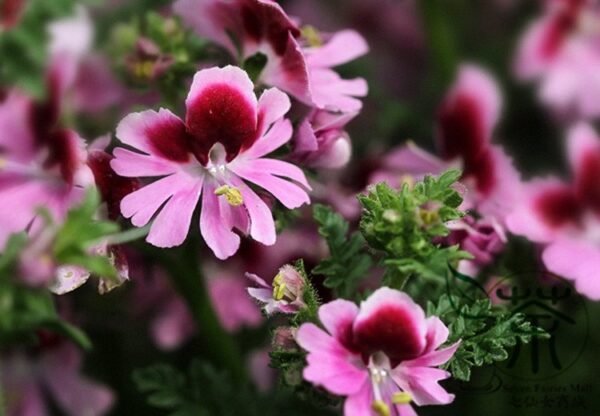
x: 191, y: 285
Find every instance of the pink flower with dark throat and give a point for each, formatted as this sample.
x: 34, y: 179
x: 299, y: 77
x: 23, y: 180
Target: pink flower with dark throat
x: 42, y: 164
x: 381, y: 356
x: 465, y: 126
x: 565, y: 217
x: 298, y: 64
x: 248, y: 27
x: 220, y: 145
x: 561, y: 50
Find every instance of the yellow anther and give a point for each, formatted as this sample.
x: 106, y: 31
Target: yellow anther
x: 429, y: 217
x: 312, y: 36
x: 278, y: 287
x: 232, y: 195
x: 144, y: 69
x: 401, y: 397
x: 381, y: 408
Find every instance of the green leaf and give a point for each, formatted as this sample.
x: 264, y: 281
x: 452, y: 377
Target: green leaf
x: 348, y: 263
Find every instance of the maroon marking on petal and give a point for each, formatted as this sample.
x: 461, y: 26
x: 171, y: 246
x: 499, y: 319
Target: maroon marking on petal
x: 263, y: 21
x: 169, y: 139
x: 588, y: 180
x: 558, y: 206
x: 63, y: 153
x: 390, y: 330
x: 461, y: 129
x: 557, y: 31
x: 113, y: 188
x: 221, y: 114
x: 483, y: 170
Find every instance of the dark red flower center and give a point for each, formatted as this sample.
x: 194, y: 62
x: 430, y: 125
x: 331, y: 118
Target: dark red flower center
x: 462, y: 134
x: 220, y: 114
x: 558, y: 206
x: 392, y: 331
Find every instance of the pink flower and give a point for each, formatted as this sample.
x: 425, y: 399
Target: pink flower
x: 247, y: 27
x: 41, y: 163
x: 285, y: 295
x: 218, y: 147
x: 565, y: 217
x: 322, y: 142
x: 294, y: 64
x: 466, y: 121
x: 329, y: 91
x: 483, y: 238
x: 52, y: 375
x: 561, y: 50
x: 381, y: 356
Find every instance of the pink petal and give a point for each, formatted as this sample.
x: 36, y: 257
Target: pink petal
x: 533, y: 58
x: 335, y: 373
x: 161, y: 134
x: 540, y: 208
x: 289, y: 72
x: 360, y: 403
x: 344, y: 46
x: 142, y: 204
x: 433, y: 358
x: 239, y: 310
x: 272, y: 106
x: 391, y: 322
x: 412, y: 160
x: 221, y: 239
x: 437, y: 333
x: 172, y: 224
x: 278, y: 135
x: 173, y: 325
x: 576, y: 260
x: 332, y: 93
x: 280, y: 168
x: 260, y: 282
x: 262, y: 295
x: 16, y: 140
x: 209, y: 19
x: 290, y: 195
x: 422, y: 384
x: 262, y: 225
x: 132, y: 164
x: 337, y: 317
x: 314, y: 339
x: 75, y: 394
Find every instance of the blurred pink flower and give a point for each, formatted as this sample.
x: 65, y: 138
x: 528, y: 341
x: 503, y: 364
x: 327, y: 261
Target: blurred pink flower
x: 484, y: 238
x: 284, y: 295
x: 466, y: 120
x: 86, y: 79
x: 561, y: 50
x: 221, y: 144
x: 262, y: 374
x: 231, y: 302
x: 53, y: 374
x: 294, y: 64
x: 565, y: 217
x: 41, y: 163
x: 321, y: 141
x: 381, y: 356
